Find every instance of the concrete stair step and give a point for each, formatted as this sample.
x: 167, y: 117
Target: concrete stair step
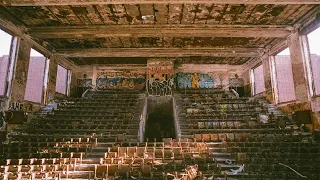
x: 219, y: 154
x: 104, y: 145
x: 95, y: 155
x: 79, y: 175
x: 99, y: 149
x: 220, y: 160
x: 85, y: 167
x: 217, y: 149
x: 214, y: 144
x: 90, y: 161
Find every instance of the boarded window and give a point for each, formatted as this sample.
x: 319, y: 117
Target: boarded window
x: 258, y: 80
x: 36, y: 75
x: 4, y: 60
x: 62, y: 80
x: 314, y: 47
x: 284, y: 77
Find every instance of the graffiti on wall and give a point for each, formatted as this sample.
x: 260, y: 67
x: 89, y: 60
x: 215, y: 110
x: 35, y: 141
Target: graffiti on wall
x: 15, y: 106
x: 160, y: 88
x: 160, y: 78
x: 120, y: 79
x: 195, y: 81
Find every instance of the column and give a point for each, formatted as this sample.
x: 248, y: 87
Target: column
x: 298, y: 67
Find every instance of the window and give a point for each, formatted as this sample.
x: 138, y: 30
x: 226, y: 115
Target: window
x: 36, y: 77
x: 258, y: 80
x: 314, y: 49
x: 63, y: 79
x: 4, y: 60
x: 284, y: 77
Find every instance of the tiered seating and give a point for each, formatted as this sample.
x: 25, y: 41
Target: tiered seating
x: 102, y: 113
x: 245, y: 141
x: 213, y: 111
x: 50, y: 144
x: 150, y: 160
x: 84, y: 139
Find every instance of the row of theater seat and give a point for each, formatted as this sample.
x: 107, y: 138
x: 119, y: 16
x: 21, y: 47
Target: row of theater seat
x: 154, y: 160
x: 92, y: 147
x: 235, y: 134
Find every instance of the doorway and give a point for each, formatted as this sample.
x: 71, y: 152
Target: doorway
x: 160, y: 120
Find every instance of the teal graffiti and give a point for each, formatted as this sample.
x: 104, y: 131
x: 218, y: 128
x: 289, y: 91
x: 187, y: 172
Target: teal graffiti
x: 194, y: 80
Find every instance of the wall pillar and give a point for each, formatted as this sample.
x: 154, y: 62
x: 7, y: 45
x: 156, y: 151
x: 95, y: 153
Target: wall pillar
x: 298, y: 67
x: 300, y: 80
x: 267, y: 80
x: 19, y: 81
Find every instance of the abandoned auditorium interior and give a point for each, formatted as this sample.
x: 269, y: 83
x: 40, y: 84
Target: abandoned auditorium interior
x: 160, y: 89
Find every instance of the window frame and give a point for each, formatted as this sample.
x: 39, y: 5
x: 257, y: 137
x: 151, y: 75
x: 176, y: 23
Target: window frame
x: 45, y: 82
x: 68, y: 80
x: 12, y: 57
x: 275, y: 83
x: 252, y: 77
x: 307, y: 57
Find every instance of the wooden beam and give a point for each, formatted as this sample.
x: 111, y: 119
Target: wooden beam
x: 161, y: 52
x: 91, y: 2
x: 104, y: 31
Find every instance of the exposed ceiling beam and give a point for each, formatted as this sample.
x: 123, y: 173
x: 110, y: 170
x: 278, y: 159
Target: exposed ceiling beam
x: 160, y: 31
x: 90, y: 2
x: 161, y: 52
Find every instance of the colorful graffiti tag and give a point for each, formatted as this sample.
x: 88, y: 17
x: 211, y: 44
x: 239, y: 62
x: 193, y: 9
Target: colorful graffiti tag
x: 160, y: 81
x: 194, y: 81
x: 122, y: 79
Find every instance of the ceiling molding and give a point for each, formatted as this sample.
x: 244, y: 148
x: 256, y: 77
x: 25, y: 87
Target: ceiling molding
x: 103, y: 31
x: 161, y: 52
x: 91, y: 2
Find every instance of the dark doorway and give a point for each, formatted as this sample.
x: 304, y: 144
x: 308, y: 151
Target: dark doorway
x: 160, y: 120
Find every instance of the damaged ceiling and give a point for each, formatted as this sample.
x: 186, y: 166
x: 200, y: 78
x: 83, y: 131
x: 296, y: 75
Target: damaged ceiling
x: 70, y: 29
